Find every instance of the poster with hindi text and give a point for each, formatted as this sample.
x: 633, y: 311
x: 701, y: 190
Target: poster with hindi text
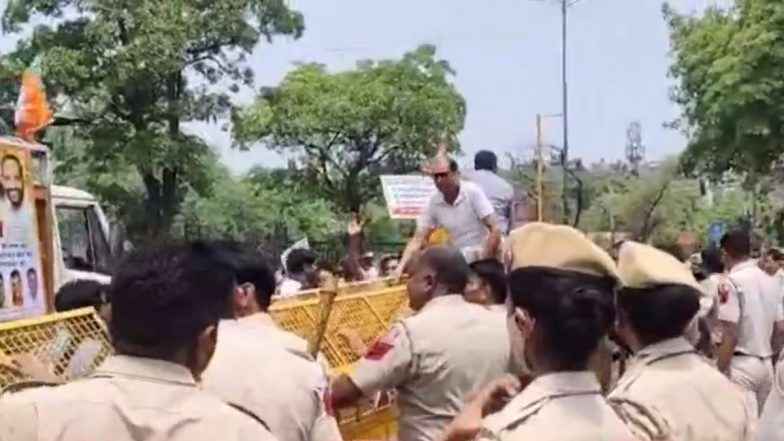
x: 407, y: 195
x: 21, y: 277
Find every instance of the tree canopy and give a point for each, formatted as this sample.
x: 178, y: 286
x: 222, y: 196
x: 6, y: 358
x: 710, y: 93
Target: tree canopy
x: 728, y: 64
x: 346, y: 128
x: 132, y: 73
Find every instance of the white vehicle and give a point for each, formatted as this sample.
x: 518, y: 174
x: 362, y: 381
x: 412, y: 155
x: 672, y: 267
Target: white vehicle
x: 82, y: 249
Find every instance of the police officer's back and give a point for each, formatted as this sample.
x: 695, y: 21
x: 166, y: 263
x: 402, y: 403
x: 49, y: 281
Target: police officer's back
x: 561, y: 290
x: 263, y: 368
x: 166, y: 303
x: 658, y: 300
x: 437, y: 357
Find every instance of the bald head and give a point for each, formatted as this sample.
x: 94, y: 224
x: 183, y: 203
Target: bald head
x: 448, y: 266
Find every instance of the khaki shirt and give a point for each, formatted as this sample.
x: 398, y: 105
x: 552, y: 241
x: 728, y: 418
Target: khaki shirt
x: 697, y: 402
x: 755, y: 308
x: 435, y: 359
x: 126, y: 399
x: 771, y: 422
x: 564, y: 406
x: 288, y: 340
x: 286, y: 389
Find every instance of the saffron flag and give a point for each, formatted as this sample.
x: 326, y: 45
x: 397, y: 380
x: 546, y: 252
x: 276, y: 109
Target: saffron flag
x: 32, y: 110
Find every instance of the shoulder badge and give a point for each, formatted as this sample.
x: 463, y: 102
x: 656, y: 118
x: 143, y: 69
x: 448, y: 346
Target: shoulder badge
x: 724, y: 291
x: 383, y: 345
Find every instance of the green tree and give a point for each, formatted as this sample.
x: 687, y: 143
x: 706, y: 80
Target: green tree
x: 348, y: 127
x: 136, y: 71
x: 244, y: 209
x: 730, y: 84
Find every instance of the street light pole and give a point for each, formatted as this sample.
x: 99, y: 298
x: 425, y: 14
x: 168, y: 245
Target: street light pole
x: 539, y: 166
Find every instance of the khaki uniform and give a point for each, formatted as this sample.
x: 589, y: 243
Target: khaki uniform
x: 126, y: 399
x: 697, y: 402
x: 435, y: 359
x: 285, y: 388
x: 771, y: 423
x: 751, y: 299
x: 565, y: 406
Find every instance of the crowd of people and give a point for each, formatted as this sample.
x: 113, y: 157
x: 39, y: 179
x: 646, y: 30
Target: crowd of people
x: 531, y: 334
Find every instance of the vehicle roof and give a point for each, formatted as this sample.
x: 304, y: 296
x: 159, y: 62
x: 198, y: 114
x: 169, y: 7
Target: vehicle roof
x: 19, y: 142
x: 62, y: 192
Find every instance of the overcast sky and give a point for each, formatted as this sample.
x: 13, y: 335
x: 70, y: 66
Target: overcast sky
x: 507, y: 57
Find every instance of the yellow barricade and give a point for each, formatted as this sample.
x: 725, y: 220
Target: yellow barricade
x: 75, y: 343
x: 72, y: 344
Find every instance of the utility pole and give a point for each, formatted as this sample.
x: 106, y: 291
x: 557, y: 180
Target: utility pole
x: 565, y: 111
x: 539, y: 166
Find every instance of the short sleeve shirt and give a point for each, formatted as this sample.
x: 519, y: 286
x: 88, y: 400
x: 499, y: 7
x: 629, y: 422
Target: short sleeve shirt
x: 463, y: 220
x: 753, y: 299
x: 434, y: 360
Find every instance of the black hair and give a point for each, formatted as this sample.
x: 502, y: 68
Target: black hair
x: 31, y: 271
x: 450, y: 267
x: 298, y: 258
x: 250, y: 266
x: 486, y: 160
x: 711, y: 261
x: 453, y: 167
x: 14, y: 158
x: 492, y: 273
x: 736, y: 243
x: 659, y: 313
x: 775, y: 255
x: 81, y: 294
x: 574, y: 311
x: 164, y: 297
x: 16, y: 273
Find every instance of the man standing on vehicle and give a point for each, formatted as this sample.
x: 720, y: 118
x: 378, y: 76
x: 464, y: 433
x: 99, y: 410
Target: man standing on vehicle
x: 498, y: 191
x: 462, y: 209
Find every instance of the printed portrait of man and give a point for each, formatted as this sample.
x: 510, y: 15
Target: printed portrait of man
x: 32, y: 283
x: 13, y: 181
x: 17, y: 298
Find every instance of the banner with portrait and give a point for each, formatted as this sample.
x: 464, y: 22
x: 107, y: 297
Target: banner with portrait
x: 21, y: 277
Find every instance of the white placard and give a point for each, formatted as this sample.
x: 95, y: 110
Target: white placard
x: 407, y: 195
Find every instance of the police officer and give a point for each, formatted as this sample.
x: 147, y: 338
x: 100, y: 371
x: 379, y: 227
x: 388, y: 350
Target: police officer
x: 658, y: 300
x: 562, y: 305
x: 166, y: 303
x: 263, y: 368
x: 435, y: 358
x: 750, y: 309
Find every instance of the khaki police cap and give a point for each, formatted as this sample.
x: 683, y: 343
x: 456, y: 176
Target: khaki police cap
x: 643, y: 266
x: 539, y: 244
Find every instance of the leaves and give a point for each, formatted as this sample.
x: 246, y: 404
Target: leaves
x: 348, y: 127
x: 730, y: 85
x: 135, y: 71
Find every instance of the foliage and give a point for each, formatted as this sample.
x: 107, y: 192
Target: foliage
x: 244, y: 209
x: 133, y: 72
x: 348, y: 127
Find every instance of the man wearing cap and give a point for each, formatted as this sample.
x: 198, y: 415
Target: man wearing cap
x: 658, y: 299
x: 751, y: 315
x: 561, y: 306
x: 462, y: 209
x: 435, y: 358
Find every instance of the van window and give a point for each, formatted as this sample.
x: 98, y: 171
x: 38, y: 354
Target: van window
x: 84, y: 244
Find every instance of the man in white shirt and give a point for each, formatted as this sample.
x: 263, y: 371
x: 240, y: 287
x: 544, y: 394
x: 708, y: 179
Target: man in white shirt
x: 750, y: 310
x: 463, y: 210
x: 301, y: 273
